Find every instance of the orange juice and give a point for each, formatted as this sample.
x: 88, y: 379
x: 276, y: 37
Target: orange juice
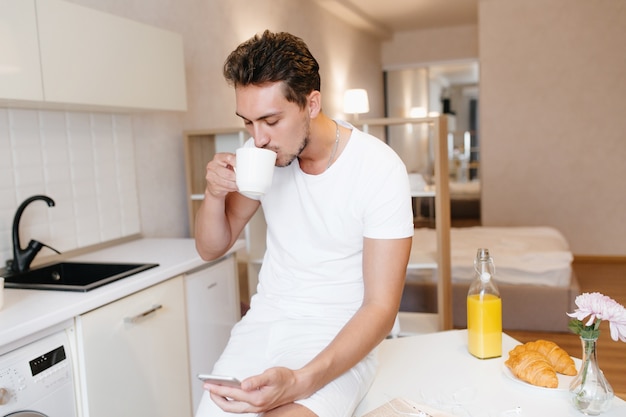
x: 484, y: 325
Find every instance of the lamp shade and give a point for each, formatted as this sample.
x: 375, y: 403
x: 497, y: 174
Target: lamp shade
x: 355, y: 101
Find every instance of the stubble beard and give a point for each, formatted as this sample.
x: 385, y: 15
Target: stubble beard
x: 292, y: 157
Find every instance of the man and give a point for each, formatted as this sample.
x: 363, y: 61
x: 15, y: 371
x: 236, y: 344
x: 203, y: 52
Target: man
x: 339, y: 229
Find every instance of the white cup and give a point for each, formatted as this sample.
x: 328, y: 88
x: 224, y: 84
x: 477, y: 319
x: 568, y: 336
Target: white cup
x: 254, y: 171
x: 1, y: 292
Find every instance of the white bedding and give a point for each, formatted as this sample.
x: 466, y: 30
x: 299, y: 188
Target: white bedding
x: 522, y: 255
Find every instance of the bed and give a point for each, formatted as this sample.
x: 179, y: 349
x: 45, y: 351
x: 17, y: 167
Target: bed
x: 464, y: 198
x: 533, y: 273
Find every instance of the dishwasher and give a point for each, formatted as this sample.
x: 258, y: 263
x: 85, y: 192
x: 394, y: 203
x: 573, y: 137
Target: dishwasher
x: 36, y: 380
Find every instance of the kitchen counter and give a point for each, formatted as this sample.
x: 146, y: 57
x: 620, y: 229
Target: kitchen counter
x: 27, y: 313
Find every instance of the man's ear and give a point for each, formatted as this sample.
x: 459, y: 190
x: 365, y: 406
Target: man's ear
x: 315, y: 104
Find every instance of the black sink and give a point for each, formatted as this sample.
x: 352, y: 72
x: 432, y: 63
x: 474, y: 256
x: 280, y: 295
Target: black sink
x: 73, y: 276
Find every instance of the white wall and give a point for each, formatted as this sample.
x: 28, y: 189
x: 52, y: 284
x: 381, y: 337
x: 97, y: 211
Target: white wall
x: 83, y: 161
x: 408, y: 89
x: 348, y: 57
x: 553, y: 99
x: 211, y: 30
x: 408, y: 49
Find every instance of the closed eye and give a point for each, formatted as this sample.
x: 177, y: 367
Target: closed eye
x: 269, y: 120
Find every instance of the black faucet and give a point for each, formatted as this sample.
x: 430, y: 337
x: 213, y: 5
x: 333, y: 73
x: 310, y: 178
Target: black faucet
x: 23, y: 257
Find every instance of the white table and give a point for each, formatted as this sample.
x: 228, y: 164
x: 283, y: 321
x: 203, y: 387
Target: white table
x: 436, y: 370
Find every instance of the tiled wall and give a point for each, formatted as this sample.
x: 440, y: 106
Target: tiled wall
x: 83, y: 161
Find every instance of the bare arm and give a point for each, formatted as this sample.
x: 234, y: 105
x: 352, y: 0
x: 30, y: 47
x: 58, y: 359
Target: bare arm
x: 384, y: 270
x: 223, y: 212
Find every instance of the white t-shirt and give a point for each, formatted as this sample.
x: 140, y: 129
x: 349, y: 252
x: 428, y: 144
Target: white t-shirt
x: 316, y: 225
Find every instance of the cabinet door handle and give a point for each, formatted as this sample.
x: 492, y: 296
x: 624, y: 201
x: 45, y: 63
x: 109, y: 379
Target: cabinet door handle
x: 140, y: 316
x: 211, y: 285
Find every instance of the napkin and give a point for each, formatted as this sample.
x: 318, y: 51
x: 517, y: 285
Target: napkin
x: 402, y: 407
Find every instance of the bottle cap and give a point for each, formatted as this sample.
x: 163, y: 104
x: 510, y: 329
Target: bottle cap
x: 482, y: 254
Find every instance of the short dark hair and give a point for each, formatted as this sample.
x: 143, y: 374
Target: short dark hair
x: 275, y: 57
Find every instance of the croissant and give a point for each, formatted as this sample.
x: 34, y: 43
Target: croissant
x: 558, y: 357
x: 532, y: 367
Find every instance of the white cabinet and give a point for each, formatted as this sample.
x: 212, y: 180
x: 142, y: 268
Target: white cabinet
x: 89, y: 59
x: 212, y: 310
x: 92, y: 57
x: 20, y: 75
x: 133, y: 358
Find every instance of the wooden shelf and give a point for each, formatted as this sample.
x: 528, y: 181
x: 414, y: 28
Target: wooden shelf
x: 200, y: 147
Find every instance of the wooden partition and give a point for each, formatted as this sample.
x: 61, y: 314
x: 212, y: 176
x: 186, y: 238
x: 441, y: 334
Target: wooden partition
x: 438, y: 126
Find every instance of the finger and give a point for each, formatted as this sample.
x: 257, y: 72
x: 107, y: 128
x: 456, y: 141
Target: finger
x: 231, y: 402
x: 227, y: 404
x: 276, y: 376
x: 255, y: 383
x: 225, y: 159
x: 220, y: 177
x: 232, y: 393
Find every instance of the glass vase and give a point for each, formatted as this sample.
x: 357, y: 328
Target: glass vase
x: 591, y: 393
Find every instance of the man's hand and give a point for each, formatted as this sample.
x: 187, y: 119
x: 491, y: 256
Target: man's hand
x: 260, y: 393
x: 220, y: 175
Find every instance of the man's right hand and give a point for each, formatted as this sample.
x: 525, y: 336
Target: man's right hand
x: 220, y: 175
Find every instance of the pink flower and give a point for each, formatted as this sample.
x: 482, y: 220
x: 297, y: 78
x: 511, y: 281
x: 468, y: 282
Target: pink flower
x: 597, y: 306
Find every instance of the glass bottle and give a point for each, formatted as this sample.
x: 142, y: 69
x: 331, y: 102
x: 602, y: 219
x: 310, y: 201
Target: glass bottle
x: 484, y: 310
x: 591, y: 392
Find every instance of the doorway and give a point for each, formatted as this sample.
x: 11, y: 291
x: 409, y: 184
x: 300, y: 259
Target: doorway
x: 444, y: 88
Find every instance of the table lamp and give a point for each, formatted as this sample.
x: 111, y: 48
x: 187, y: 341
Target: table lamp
x: 355, y: 102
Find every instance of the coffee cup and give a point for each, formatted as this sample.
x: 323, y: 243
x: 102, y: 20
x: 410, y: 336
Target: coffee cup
x: 254, y: 171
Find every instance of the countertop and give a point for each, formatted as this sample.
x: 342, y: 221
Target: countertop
x: 27, y: 313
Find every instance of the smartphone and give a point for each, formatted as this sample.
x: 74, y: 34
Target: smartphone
x: 220, y: 380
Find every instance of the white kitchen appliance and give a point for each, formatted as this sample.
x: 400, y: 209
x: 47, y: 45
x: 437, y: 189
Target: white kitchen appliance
x: 36, y: 380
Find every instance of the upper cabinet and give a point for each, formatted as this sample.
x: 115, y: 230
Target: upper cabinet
x: 94, y: 60
x: 20, y: 74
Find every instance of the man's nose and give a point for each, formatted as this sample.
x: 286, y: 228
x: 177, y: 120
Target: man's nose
x: 261, y: 138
